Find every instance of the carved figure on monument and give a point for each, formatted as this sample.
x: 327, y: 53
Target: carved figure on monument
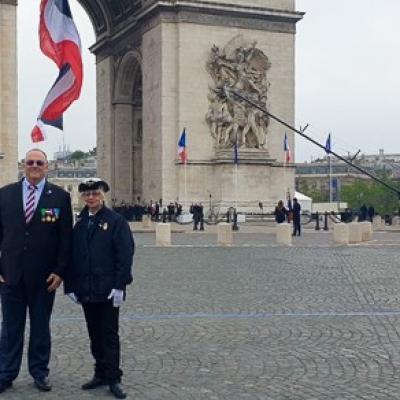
x: 242, y: 67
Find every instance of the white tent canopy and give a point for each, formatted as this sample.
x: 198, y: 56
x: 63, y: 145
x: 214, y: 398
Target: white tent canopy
x: 304, y: 201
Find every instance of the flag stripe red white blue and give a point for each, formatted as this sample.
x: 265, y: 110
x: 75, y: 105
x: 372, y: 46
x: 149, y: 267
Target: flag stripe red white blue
x: 182, y: 151
x: 60, y: 41
x: 286, y: 149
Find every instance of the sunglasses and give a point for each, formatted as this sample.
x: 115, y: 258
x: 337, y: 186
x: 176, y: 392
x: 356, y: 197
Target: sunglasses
x: 93, y: 193
x: 31, y: 163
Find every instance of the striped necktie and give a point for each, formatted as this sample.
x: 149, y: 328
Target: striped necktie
x: 30, y: 203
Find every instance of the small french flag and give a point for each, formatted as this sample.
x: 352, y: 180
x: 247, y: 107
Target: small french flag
x: 286, y: 149
x: 182, y: 151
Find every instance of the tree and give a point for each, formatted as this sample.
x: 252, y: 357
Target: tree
x: 372, y: 193
x: 77, y: 155
x: 317, y: 196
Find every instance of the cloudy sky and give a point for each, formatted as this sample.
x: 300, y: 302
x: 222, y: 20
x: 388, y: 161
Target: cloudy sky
x: 347, y: 77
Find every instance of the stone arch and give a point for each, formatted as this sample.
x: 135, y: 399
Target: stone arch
x: 99, y: 16
x: 127, y: 104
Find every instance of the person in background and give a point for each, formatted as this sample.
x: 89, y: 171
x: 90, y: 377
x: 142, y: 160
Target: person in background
x: 280, y: 213
x: 296, y: 217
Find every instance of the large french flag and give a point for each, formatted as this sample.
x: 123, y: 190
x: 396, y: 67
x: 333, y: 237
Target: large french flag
x: 60, y: 41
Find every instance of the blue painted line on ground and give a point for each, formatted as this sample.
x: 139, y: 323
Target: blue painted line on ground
x: 266, y: 315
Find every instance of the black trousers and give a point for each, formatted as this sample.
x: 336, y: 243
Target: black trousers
x: 102, y: 323
x: 15, y: 300
x: 296, y: 227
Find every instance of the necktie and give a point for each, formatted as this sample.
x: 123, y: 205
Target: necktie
x: 30, y: 203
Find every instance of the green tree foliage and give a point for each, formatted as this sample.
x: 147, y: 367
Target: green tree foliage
x: 372, y: 193
x: 316, y: 195
x: 78, y: 155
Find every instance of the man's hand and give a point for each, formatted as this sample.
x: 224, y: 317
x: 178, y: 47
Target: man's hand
x: 2, y: 280
x: 54, y: 282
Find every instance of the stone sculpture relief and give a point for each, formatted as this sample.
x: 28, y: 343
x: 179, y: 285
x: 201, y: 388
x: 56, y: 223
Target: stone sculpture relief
x: 243, y: 67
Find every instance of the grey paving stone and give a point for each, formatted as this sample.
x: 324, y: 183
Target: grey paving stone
x: 254, y: 321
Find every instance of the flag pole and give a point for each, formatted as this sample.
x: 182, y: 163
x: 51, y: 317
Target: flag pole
x: 185, y: 169
x: 236, y: 183
x: 330, y: 178
x: 236, y: 160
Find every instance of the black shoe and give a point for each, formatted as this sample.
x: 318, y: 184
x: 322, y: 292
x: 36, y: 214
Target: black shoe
x: 117, y: 390
x: 93, y: 383
x: 4, y: 386
x: 43, y: 384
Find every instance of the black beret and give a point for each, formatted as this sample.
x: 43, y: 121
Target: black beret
x: 93, y: 184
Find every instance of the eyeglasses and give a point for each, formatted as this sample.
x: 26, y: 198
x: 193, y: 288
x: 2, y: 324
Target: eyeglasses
x: 31, y: 163
x: 93, y: 193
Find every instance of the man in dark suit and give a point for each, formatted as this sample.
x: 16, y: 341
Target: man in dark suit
x: 296, y: 217
x: 35, y: 246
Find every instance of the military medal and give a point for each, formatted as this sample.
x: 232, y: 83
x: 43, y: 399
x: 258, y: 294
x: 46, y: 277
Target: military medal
x: 105, y: 226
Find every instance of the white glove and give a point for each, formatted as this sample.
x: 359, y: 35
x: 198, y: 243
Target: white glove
x: 117, y: 296
x: 73, y: 297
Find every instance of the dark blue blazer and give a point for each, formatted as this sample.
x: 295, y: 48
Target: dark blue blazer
x: 102, y: 256
x: 39, y: 248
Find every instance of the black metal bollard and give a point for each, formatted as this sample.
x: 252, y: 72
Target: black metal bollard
x: 235, y: 226
x: 317, y: 221
x: 326, y: 221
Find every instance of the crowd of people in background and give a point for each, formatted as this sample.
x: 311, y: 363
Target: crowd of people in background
x: 155, y: 209
x: 364, y: 214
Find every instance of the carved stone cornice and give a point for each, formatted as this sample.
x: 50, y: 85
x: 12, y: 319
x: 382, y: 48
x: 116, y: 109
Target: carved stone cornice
x: 10, y: 2
x: 153, y: 12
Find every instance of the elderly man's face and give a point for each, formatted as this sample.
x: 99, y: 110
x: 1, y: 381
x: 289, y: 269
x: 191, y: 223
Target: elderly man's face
x: 36, y: 166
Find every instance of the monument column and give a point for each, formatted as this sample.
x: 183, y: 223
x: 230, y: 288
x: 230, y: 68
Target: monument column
x: 8, y: 92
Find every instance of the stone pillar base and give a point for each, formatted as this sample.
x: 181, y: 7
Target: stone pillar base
x: 396, y: 220
x: 366, y: 228
x: 147, y: 222
x: 355, y: 232
x: 284, y: 234
x: 163, y: 234
x: 377, y: 223
x: 225, y: 236
x: 341, y: 234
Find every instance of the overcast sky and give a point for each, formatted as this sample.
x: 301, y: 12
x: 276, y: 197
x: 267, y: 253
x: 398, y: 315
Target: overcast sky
x: 347, y: 77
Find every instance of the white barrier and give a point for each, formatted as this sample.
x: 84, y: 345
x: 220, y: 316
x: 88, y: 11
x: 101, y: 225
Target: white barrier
x: 147, y: 222
x: 341, y: 234
x: 366, y: 229
x: 225, y: 236
x: 355, y: 232
x: 378, y: 223
x: 284, y: 234
x: 163, y: 234
x: 395, y: 220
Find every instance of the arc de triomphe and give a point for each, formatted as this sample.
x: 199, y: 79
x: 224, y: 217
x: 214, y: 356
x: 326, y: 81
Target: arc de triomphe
x: 159, y: 66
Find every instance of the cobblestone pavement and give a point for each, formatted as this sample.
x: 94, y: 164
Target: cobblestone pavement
x: 253, y: 321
